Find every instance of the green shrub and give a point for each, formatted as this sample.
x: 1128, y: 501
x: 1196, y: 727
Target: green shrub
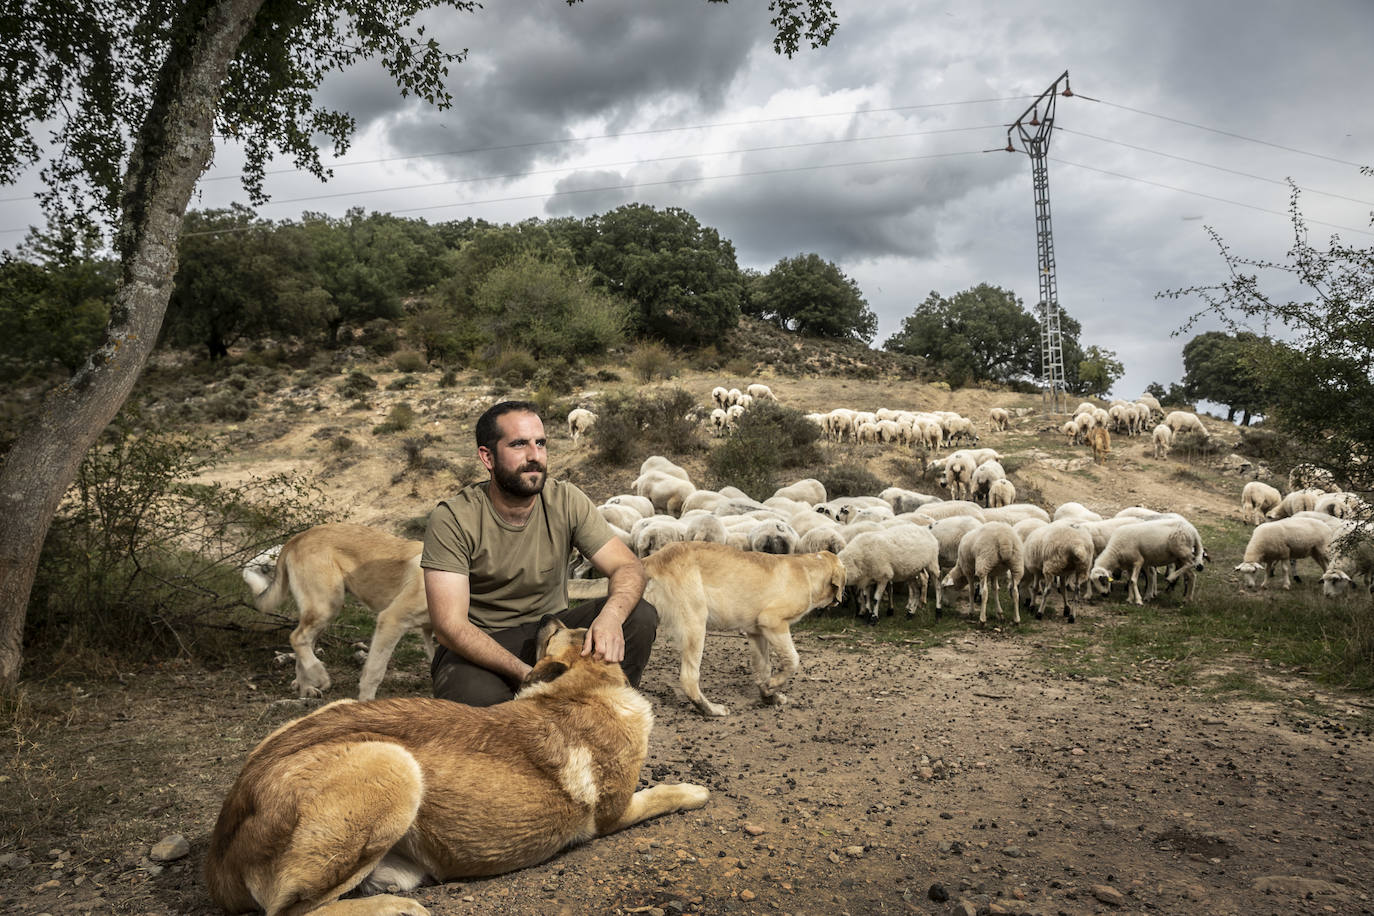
x: 652, y: 360
x: 449, y: 379
x: 357, y: 384
x: 849, y: 480
x: 630, y: 427
x: 340, y: 444
x: 399, y: 419
x: 380, y: 336
x: 511, y: 367
x: 767, y: 439
x: 403, y: 383
x: 409, y: 361
x: 142, y: 562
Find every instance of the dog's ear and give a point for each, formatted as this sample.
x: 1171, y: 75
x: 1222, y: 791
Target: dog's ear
x: 837, y: 578
x: 548, y: 625
x: 546, y: 670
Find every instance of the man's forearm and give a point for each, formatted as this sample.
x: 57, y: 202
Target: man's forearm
x: 473, y: 644
x: 625, y: 588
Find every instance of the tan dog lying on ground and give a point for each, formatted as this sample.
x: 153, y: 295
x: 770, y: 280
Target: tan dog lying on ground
x: 318, y: 566
x: 407, y: 791
x: 698, y: 584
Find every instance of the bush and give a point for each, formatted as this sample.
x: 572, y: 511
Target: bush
x: 403, y: 383
x: 849, y: 480
x: 630, y: 427
x: 357, y: 384
x: 379, y: 336
x: 409, y: 361
x: 449, y: 379
x: 768, y: 438
x: 511, y: 367
x: 401, y: 418
x: 140, y: 560
x: 652, y: 360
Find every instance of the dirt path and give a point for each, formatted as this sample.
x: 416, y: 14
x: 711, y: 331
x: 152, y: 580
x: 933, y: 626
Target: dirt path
x: 890, y: 771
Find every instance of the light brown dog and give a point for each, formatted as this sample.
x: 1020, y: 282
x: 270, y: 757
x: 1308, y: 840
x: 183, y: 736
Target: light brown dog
x: 317, y: 566
x: 1101, y: 442
x: 405, y: 791
x: 698, y: 584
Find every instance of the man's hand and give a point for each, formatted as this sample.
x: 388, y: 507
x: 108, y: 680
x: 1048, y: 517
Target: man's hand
x: 605, y: 639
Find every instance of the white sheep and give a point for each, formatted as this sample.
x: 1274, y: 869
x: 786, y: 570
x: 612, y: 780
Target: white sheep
x: 1075, y: 512
x: 1180, y: 420
x: 1014, y: 512
x: 948, y: 507
x: 640, y: 504
x: 1340, y: 504
x: 906, y: 500
x: 1163, y: 439
x: 1001, y: 492
x: 1256, y: 499
x: 773, y: 536
x: 666, y: 491
x: 720, y: 396
x: 619, y: 516
x: 732, y: 397
x: 1070, y: 431
x: 656, y: 532
x: 957, y: 476
x: 879, y: 559
x: 1058, y: 551
x: 1295, y: 502
x: 1000, y: 418
x: 987, y: 552
x: 807, y: 490
x: 659, y: 463
x: 1351, y: 560
x: 982, y: 479
x: 822, y: 537
x: 1151, y: 402
x: 761, y: 392
x: 1025, y: 526
x: 705, y: 527
x: 1284, y: 542
x: 580, y: 420
x: 1159, y: 542
x: 720, y: 421
x: 709, y: 500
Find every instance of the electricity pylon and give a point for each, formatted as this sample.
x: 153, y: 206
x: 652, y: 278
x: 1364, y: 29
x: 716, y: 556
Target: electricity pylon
x: 1033, y: 130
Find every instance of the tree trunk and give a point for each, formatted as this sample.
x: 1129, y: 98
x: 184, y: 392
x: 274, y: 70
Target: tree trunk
x: 173, y: 147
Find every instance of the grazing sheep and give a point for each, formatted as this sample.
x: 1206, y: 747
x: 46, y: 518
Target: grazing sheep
x: 705, y: 527
x: 984, y: 554
x: 1151, y: 402
x: 822, y: 537
x: 1339, y: 504
x: 1084, y: 408
x: 906, y: 500
x: 807, y: 490
x: 579, y: 421
x: 640, y: 504
x: 1179, y: 420
x: 1001, y: 492
x: 957, y: 476
x: 1000, y: 418
x: 761, y: 392
x: 1256, y: 499
x: 1295, y: 502
x: 773, y: 536
x: 709, y: 500
x: 720, y: 396
x: 619, y: 516
x: 732, y: 415
x: 732, y: 397
x: 950, y: 507
x: 907, y: 554
x: 1059, y: 551
x: 1075, y: 512
x: 982, y: 479
x: 659, y: 463
x: 1284, y: 541
x: 1101, y: 443
x: 655, y: 533
x: 1015, y: 512
x: 1310, y: 475
x: 666, y: 491
x: 1351, y: 559
x: 720, y: 421
x: 1161, y: 542
x: 1101, y: 531
x: 1163, y: 438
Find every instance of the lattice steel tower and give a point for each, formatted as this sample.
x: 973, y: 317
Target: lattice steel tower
x: 1033, y: 129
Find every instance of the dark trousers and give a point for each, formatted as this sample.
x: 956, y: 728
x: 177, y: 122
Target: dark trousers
x: 457, y: 679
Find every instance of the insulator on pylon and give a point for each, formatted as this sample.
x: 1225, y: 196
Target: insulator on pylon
x: 1035, y: 118
x: 1010, y: 148
x: 1067, y: 93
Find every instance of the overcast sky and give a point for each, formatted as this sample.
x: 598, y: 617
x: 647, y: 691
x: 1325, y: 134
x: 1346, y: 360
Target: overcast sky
x: 869, y: 152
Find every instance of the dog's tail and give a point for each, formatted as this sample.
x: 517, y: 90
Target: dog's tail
x: 268, y: 593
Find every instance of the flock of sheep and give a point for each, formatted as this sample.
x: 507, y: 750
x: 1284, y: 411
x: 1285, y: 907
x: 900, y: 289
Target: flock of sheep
x: 1314, y: 520
x: 921, y: 541
x: 980, y: 536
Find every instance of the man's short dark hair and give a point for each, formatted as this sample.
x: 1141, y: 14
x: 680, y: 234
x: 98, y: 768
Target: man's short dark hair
x: 488, y: 432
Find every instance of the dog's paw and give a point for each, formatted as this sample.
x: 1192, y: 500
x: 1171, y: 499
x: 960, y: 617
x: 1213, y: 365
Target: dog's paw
x: 391, y: 905
x: 708, y: 708
x: 308, y: 692
x: 693, y: 796
x: 774, y: 699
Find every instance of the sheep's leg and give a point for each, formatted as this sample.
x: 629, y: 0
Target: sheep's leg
x: 1064, y: 593
x: 1015, y: 587
x: 1134, y: 590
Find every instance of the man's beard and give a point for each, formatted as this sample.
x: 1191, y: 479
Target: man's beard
x: 514, y: 484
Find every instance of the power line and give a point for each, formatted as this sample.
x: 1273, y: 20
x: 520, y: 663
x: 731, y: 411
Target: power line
x: 1219, y: 168
x: 629, y: 162
x: 1224, y: 133
x: 1234, y: 203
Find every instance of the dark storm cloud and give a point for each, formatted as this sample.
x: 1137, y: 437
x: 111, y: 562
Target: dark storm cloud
x: 536, y: 72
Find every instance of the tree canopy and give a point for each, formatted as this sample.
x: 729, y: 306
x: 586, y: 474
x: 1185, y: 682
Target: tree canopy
x: 812, y: 296
x: 1228, y: 369
x: 982, y: 334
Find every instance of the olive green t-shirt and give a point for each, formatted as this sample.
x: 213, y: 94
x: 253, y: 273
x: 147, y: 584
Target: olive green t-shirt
x: 516, y: 574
